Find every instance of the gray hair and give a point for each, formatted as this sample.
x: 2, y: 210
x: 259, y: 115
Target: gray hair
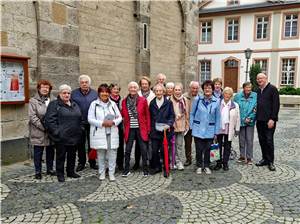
x: 161, y: 75
x: 64, y: 87
x: 85, y: 77
x: 228, y: 90
x: 179, y: 84
x: 194, y: 83
x: 170, y: 85
x: 132, y: 83
x: 159, y: 85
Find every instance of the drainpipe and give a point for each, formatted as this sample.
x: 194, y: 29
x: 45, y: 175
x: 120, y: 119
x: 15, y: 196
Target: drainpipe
x: 38, y: 50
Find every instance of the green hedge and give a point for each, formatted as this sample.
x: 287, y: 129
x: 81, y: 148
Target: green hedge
x: 289, y: 91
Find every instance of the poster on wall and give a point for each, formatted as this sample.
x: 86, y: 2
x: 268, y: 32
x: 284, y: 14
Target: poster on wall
x: 13, y: 82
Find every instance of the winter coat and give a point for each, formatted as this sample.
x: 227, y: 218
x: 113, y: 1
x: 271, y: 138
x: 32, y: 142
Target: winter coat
x: 182, y: 121
x: 205, y: 120
x: 143, y: 118
x: 96, y: 115
x: 267, y: 103
x: 63, y: 122
x: 84, y: 101
x: 165, y: 114
x: 234, y: 120
x: 36, y: 111
x: 247, y: 107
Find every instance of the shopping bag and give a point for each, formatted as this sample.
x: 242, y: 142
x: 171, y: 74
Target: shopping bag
x: 214, y: 152
x: 93, y: 154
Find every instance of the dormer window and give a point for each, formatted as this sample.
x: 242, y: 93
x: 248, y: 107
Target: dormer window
x: 233, y: 2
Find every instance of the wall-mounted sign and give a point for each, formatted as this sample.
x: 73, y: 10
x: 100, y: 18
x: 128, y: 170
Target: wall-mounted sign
x: 14, y: 79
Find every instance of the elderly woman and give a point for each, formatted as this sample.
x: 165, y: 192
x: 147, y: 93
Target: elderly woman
x: 136, y: 125
x: 217, y: 88
x: 145, y: 90
x: 181, y: 125
x: 63, y: 120
x: 38, y: 136
x: 247, y: 101
x: 162, y: 117
x: 104, y: 117
x: 230, y: 126
x: 205, y: 125
x: 169, y: 89
x: 161, y: 78
x: 115, y: 97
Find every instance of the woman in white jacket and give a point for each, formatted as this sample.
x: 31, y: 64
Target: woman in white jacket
x: 104, y: 117
x: 230, y: 126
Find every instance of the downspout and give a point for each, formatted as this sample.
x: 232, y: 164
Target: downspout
x: 38, y: 50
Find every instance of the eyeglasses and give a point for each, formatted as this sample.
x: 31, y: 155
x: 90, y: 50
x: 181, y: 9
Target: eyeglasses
x: 66, y: 93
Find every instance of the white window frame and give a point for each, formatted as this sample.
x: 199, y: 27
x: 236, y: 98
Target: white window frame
x: 205, y: 28
x: 263, y: 23
x: 288, y: 73
x: 207, y: 71
x: 291, y: 21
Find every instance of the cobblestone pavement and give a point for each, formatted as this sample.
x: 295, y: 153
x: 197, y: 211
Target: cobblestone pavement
x: 244, y: 194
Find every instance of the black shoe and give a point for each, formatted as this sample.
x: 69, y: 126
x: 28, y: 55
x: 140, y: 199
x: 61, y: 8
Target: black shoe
x: 38, y: 176
x: 218, y: 166
x: 146, y: 173
x: 126, y: 173
x: 271, y: 167
x: 61, y: 178
x: 136, y: 166
x: 80, y: 167
x: 225, y: 167
x: 154, y: 171
x: 73, y: 175
x: 187, y: 163
x: 262, y: 163
x: 51, y: 173
x: 166, y: 174
x: 94, y: 167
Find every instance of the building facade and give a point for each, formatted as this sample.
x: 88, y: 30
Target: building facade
x: 111, y: 41
x: 269, y: 28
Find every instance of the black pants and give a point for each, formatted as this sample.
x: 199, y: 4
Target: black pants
x: 137, y: 154
x: 134, y: 133
x: 120, y: 151
x: 61, y: 152
x: 158, y: 153
x: 225, y: 148
x: 188, y: 139
x: 38, y: 155
x: 81, y: 147
x: 202, y: 151
x: 266, y: 140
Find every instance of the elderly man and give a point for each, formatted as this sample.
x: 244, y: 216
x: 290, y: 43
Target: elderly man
x: 266, y: 116
x: 193, y: 92
x: 83, y: 96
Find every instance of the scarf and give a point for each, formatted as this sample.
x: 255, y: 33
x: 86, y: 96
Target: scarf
x: 181, y: 102
x: 131, y: 105
x: 145, y: 94
x: 225, y: 113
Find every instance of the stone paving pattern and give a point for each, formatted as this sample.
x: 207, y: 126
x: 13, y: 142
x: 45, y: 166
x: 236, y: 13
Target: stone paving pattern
x: 244, y: 194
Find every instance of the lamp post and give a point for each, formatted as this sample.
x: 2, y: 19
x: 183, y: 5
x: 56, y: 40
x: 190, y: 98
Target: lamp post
x: 248, y: 53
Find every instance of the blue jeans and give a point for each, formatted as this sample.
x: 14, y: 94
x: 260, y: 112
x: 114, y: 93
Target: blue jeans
x: 38, y: 154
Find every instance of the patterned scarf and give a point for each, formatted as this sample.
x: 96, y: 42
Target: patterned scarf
x: 131, y: 105
x: 182, y: 106
x: 146, y: 94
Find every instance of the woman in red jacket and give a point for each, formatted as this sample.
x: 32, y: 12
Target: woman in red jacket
x: 136, y: 118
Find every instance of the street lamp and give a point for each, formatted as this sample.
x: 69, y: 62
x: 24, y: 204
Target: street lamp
x: 248, y: 53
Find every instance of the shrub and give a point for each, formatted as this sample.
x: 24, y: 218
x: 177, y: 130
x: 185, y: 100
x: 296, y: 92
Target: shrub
x: 254, y: 70
x: 289, y: 91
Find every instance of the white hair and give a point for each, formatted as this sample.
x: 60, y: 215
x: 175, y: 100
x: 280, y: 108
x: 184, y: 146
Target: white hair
x: 161, y: 75
x: 228, y: 90
x: 84, y: 77
x: 64, y: 87
x: 194, y: 83
x: 159, y: 85
x: 132, y: 83
x: 170, y: 85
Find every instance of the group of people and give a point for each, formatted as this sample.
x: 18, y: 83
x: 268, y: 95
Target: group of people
x: 162, y: 121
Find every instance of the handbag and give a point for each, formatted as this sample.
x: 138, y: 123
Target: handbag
x: 214, y: 152
x: 93, y: 154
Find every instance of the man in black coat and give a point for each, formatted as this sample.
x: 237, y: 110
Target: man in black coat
x: 266, y: 116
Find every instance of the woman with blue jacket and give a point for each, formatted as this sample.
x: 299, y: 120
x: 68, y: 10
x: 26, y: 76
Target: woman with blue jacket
x: 205, y: 124
x: 246, y: 100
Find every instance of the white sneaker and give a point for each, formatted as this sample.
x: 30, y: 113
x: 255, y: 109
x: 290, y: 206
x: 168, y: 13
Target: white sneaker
x: 207, y: 170
x: 112, y: 177
x: 180, y: 166
x: 102, y: 176
x: 199, y: 171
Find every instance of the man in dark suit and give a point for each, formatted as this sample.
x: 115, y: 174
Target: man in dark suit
x: 267, y: 116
